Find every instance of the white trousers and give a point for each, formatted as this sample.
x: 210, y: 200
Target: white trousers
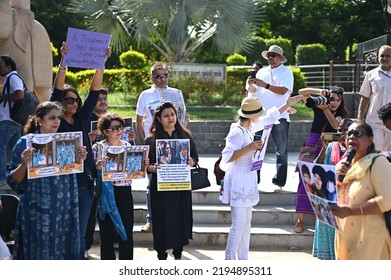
x: 238, y: 243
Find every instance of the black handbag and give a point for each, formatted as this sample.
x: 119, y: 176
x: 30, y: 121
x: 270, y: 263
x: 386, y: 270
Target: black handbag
x: 199, y: 178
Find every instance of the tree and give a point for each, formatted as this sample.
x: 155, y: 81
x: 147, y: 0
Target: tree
x: 176, y: 28
x: 334, y: 23
x: 51, y: 14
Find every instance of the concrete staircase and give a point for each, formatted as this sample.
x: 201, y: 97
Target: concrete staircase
x: 272, y: 222
x: 273, y: 218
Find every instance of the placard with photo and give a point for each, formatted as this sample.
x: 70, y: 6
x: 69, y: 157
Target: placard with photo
x: 124, y: 162
x: 54, y: 154
x: 320, y: 183
x: 174, y: 172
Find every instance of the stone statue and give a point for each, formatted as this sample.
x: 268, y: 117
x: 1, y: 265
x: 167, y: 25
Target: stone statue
x: 386, y: 4
x: 27, y: 42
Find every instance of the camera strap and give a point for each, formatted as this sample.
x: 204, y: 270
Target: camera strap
x: 385, y: 74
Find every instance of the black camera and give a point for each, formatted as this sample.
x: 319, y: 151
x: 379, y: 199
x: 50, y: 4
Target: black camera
x: 313, y: 101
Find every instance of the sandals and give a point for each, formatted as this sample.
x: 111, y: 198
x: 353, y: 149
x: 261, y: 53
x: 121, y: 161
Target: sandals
x: 299, y: 227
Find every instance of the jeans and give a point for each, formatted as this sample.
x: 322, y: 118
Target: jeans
x: 279, y: 134
x: 10, y: 132
x: 85, y: 205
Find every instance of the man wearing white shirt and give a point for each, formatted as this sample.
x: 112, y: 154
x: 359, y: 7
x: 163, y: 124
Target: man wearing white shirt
x: 375, y: 92
x: 10, y: 130
x: 273, y: 85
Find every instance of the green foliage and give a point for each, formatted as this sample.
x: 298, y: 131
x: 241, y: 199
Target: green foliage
x: 56, y: 58
x: 286, y: 46
x: 351, y: 52
x: 299, y: 80
x: 174, y: 28
x: 259, y: 46
x: 54, y: 50
x: 311, y: 54
x: 133, y: 60
x: 236, y: 59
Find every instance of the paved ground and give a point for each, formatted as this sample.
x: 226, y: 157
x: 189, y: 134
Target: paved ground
x: 192, y: 253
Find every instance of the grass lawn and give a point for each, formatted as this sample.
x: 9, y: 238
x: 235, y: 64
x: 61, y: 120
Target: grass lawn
x: 215, y: 113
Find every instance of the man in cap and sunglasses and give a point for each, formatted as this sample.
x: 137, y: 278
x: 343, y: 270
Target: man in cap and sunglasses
x: 273, y: 85
x: 147, y: 103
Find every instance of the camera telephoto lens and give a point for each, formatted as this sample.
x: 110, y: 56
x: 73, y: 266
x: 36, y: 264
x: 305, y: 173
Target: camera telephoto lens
x: 313, y: 101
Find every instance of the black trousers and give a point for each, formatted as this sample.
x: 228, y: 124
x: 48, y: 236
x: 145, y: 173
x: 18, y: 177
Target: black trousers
x: 124, y: 201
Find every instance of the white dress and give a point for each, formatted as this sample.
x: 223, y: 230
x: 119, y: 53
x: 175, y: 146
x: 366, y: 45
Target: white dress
x: 240, y: 183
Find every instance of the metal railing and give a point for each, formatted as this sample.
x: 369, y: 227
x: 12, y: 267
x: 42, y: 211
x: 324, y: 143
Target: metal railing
x: 346, y: 74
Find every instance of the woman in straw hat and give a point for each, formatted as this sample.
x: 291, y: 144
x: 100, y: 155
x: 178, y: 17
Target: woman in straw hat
x: 240, y: 182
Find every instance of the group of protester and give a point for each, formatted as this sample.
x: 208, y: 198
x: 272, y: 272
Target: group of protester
x: 69, y: 200
x: 57, y: 214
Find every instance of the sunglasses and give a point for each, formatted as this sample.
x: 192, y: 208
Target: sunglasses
x: 71, y: 100
x: 272, y: 55
x: 335, y: 89
x: 52, y: 118
x: 116, y: 128
x: 356, y: 133
x: 160, y: 76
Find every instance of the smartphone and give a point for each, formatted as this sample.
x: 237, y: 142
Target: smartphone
x: 257, y: 137
x: 330, y: 136
x: 253, y: 73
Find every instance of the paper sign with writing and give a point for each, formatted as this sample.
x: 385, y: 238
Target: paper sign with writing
x: 86, y: 49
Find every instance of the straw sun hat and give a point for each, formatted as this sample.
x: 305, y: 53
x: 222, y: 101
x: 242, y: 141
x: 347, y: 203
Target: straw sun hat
x: 275, y: 49
x: 251, y: 108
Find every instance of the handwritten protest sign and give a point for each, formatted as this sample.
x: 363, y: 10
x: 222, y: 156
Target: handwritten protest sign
x: 86, y: 49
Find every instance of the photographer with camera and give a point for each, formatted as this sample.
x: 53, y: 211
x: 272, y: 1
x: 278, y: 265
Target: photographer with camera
x: 329, y: 109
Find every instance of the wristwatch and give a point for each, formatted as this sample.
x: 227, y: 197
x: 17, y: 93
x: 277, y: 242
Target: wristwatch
x: 267, y: 86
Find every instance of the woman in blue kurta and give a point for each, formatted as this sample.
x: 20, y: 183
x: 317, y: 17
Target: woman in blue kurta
x: 48, y: 216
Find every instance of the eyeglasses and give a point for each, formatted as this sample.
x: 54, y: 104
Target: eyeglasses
x: 356, y: 133
x: 272, y: 55
x: 116, y: 128
x: 71, y: 100
x: 160, y: 76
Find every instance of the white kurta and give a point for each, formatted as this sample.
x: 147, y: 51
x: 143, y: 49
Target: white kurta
x: 240, y: 183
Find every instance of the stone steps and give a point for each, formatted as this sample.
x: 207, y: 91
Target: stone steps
x: 272, y: 222
x: 273, y: 218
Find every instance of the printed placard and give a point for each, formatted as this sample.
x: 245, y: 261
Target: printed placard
x: 176, y: 97
x: 174, y: 173
x: 124, y: 162
x: 320, y: 183
x: 54, y: 154
x: 259, y: 155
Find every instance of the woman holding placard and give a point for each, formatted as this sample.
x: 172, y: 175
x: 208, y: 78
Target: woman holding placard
x: 171, y: 210
x: 47, y: 225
